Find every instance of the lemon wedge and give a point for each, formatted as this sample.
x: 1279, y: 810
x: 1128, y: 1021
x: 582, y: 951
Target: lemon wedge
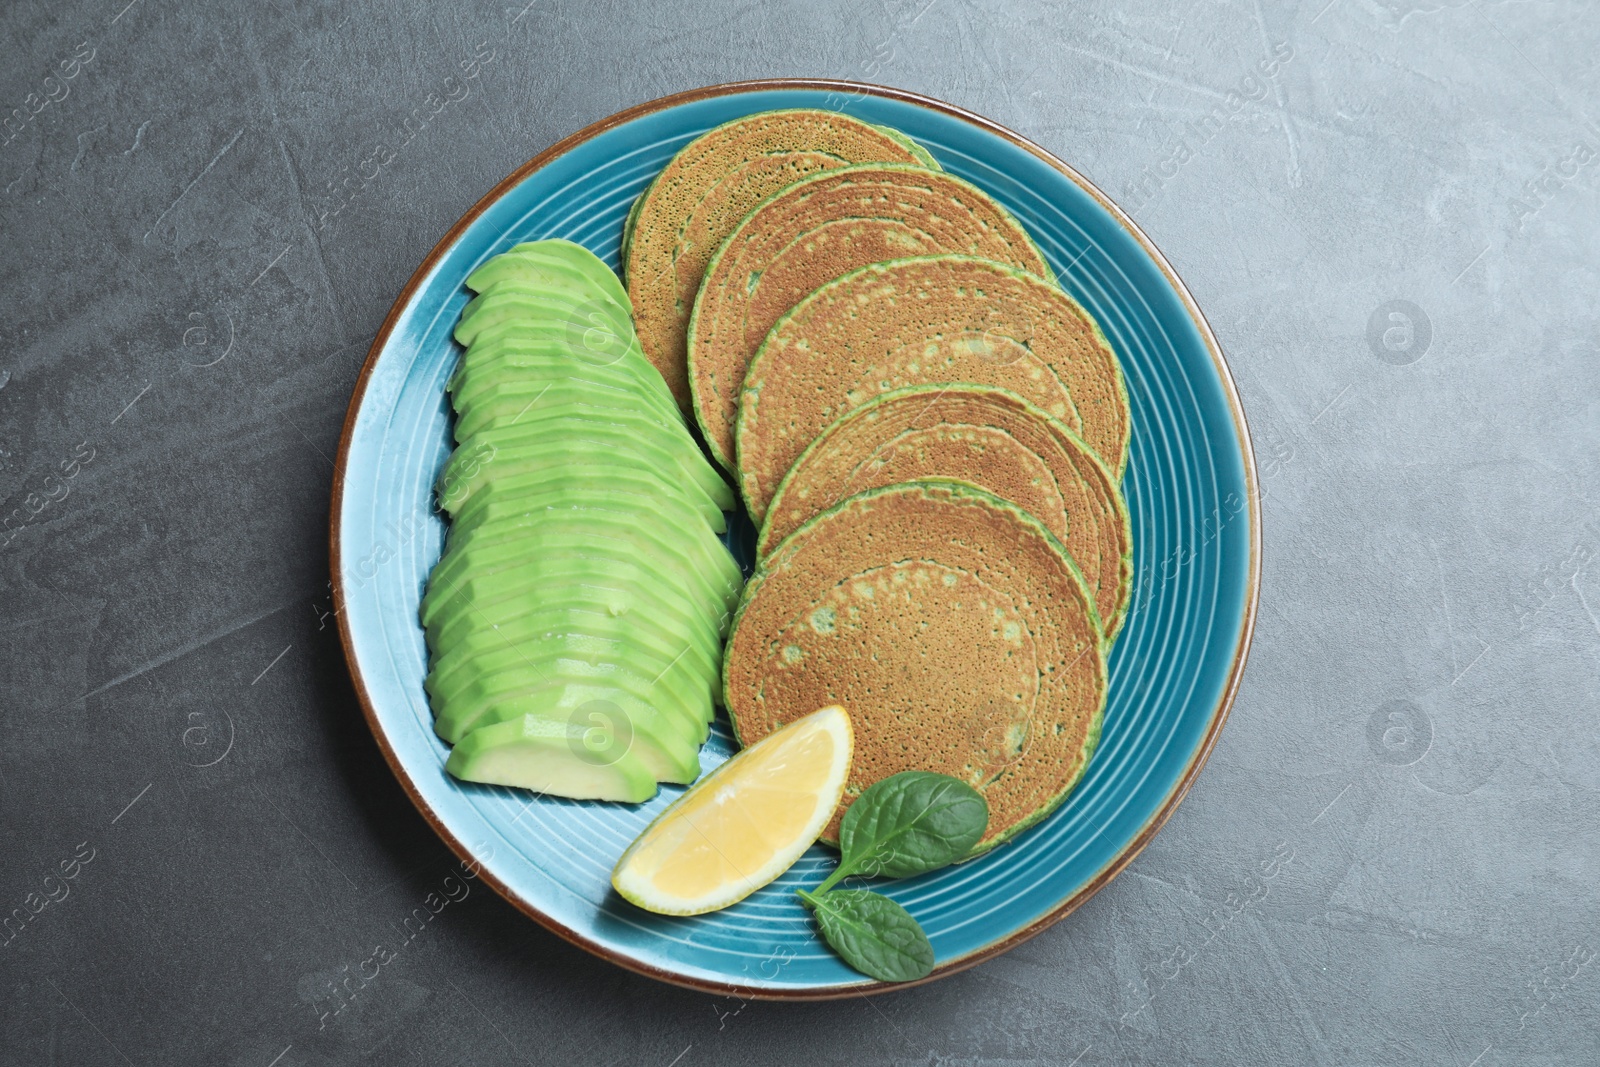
x: 743, y: 824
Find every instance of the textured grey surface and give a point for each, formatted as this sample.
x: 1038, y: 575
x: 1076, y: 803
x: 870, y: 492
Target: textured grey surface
x: 1416, y: 726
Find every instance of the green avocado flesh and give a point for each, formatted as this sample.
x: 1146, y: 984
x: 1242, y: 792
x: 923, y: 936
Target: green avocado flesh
x: 670, y: 733
x: 644, y: 535
x: 575, y: 619
x: 508, y: 404
x: 687, y: 677
x: 565, y: 455
x: 561, y: 290
x: 668, y: 717
x: 510, y: 587
x: 552, y: 356
x: 683, y: 659
x: 483, y: 613
x: 556, y: 757
x: 541, y: 424
x: 597, y: 320
x: 533, y: 385
x: 675, y: 527
x: 534, y: 477
x: 564, y: 288
x: 577, y: 632
x: 540, y: 258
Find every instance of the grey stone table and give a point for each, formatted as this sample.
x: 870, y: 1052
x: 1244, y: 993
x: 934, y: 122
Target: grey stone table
x: 1396, y: 236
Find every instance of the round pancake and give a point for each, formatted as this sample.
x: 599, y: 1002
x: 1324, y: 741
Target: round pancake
x: 991, y: 438
x: 811, y: 233
x: 954, y: 629
x: 700, y: 196
x: 924, y: 321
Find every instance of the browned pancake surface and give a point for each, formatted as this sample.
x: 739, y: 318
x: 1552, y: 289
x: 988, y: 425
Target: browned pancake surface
x: 952, y: 627
x: 924, y: 321
x: 702, y: 194
x: 987, y: 437
x: 813, y: 232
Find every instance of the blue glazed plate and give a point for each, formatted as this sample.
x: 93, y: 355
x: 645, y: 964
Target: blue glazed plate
x: 1190, y: 485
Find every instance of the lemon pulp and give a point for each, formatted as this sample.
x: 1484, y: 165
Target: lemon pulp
x: 743, y: 824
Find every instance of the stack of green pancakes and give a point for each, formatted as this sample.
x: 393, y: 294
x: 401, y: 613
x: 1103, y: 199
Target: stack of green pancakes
x: 930, y: 433
x: 575, y: 619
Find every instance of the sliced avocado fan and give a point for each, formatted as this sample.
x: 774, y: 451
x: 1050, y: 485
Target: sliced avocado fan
x: 574, y: 620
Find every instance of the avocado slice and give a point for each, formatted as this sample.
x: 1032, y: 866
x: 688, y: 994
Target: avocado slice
x: 579, y: 347
x: 574, y: 256
x: 547, y: 272
x: 563, y: 284
x: 541, y: 259
x: 515, y: 400
x: 547, y: 360
x: 684, y: 708
x: 510, y: 585
x: 519, y: 640
x: 492, y: 639
x: 559, y: 261
x: 538, y: 296
x: 699, y: 557
x: 560, y: 758
x: 675, y: 707
x: 533, y: 387
x: 470, y: 613
x: 511, y: 444
x: 533, y: 477
x: 509, y: 623
x: 627, y: 499
x: 536, y: 304
x: 665, y: 752
x: 541, y: 425
x: 676, y: 693
x: 639, y: 536
x: 544, y: 356
x: 528, y: 303
x: 681, y: 658
x: 573, y: 455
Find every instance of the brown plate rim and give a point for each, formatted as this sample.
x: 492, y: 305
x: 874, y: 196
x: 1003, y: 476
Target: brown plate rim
x: 1236, y: 409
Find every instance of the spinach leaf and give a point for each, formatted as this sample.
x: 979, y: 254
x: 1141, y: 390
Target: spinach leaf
x: 872, y: 933
x: 909, y: 823
x: 906, y: 824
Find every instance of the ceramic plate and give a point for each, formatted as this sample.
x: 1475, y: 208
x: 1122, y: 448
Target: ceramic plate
x: 1190, y: 486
